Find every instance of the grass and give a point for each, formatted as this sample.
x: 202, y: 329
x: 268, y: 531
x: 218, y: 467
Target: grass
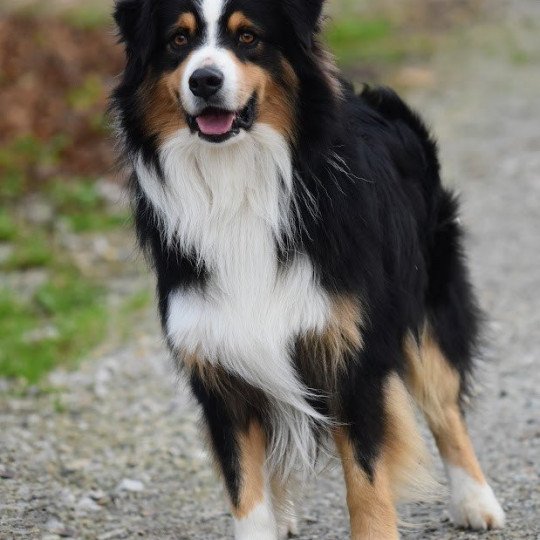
x: 61, y: 322
x: 86, y: 96
x: 84, y: 14
x: 8, y: 228
x: 377, y: 40
x: 23, y: 155
x: 31, y: 250
x: 81, y: 206
x: 89, y: 15
x: 66, y: 316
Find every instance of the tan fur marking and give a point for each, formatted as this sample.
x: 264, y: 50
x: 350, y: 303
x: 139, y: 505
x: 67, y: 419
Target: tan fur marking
x: 435, y: 385
x: 371, y: 507
x: 252, y: 445
x: 187, y: 21
x: 238, y: 21
x: 326, y: 353
x: 276, y: 104
x: 162, y: 106
x: 404, y: 453
x: 210, y: 375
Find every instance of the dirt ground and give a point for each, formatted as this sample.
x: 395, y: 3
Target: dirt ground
x: 113, y: 450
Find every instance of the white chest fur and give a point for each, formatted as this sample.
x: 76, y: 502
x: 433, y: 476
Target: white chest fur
x: 231, y: 206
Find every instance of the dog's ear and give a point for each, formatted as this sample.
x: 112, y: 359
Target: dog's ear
x: 304, y: 16
x: 135, y: 24
x: 126, y: 16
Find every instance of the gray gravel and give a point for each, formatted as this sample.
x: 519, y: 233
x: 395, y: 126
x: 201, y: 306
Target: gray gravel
x: 113, y: 450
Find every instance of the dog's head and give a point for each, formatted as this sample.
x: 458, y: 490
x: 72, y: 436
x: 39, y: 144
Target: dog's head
x: 215, y: 67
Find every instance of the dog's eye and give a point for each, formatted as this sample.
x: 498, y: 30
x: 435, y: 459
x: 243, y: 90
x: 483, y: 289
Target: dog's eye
x: 247, y: 38
x: 180, y: 40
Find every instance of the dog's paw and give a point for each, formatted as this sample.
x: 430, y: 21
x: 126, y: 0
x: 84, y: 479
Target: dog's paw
x: 289, y: 528
x: 473, y: 505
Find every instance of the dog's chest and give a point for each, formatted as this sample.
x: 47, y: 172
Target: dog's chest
x: 251, y: 306
x: 230, y: 207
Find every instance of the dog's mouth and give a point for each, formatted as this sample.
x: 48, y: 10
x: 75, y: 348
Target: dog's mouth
x: 218, y: 125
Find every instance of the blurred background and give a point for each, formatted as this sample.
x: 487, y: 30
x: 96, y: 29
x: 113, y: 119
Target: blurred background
x: 69, y: 276
x: 96, y: 435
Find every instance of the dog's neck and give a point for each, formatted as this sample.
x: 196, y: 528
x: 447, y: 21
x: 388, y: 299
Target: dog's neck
x: 206, y: 188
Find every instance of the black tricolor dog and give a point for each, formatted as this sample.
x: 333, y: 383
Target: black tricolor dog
x: 309, y: 263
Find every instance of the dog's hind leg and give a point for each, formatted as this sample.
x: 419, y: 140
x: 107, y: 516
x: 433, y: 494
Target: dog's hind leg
x: 369, y: 496
x: 284, y: 496
x: 440, y: 361
x: 382, y: 456
x: 436, y: 385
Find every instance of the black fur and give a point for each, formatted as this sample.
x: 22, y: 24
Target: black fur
x: 384, y: 230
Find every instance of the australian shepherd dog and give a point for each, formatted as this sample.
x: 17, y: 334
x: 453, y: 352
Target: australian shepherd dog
x: 310, y: 271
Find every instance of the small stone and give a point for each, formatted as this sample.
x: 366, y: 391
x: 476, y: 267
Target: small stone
x: 56, y: 527
x: 43, y: 333
x: 75, y: 465
x: 38, y: 211
x: 86, y: 504
x: 99, y: 496
x: 6, y: 474
x: 115, y: 533
x: 415, y: 77
x: 130, y: 485
x: 6, y: 250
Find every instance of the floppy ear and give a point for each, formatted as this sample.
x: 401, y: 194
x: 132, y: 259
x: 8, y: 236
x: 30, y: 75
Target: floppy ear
x: 304, y: 16
x: 126, y: 16
x: 135, y: 22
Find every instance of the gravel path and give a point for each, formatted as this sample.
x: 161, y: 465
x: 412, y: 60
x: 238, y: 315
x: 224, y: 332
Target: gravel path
x: 113, y: 450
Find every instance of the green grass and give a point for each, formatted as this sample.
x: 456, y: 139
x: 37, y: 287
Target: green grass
x: 80, y: 204
x: 31, y: 250
x: 21, y: 156
x: 89, y: 15
x: 88, y: 95
x: 67, y: 316
x: 84, y: 14
x: 136, y: 302
x: 61, y: 322
x: 8, y: 229
x: 353, y: 39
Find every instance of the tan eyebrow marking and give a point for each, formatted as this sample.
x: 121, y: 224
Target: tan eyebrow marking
x: 238, y: 21
x: 187, y: 21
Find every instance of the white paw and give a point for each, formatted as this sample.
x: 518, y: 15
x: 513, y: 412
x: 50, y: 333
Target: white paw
x: 288, y: 528
x: 259, y: 524
x: 473, y: 505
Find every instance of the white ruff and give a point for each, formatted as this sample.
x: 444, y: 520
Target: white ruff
x: 230, y: 205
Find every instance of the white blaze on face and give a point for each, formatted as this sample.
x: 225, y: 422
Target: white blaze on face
x: 210, y: 53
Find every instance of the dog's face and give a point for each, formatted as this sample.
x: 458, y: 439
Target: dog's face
x: 216, y: 67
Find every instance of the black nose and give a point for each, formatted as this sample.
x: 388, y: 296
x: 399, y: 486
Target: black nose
x: 205, y: 82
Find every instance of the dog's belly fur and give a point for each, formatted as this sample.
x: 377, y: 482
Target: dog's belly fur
x: 247, y: 320
x: 231, y: 210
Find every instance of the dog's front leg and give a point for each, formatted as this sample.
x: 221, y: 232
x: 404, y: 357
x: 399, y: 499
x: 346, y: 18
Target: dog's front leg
x: 239, y: 445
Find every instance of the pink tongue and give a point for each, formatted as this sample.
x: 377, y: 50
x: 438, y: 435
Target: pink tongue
x: 216, y: 123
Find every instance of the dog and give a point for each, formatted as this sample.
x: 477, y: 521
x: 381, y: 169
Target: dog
x: 311, y: 277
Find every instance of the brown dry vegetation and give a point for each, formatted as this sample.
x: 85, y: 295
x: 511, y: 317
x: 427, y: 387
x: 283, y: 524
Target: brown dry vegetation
x: 54, y: 81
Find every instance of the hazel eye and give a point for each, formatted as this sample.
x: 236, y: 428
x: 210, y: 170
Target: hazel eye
x: 180, y: 39
x: 246, y: 38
